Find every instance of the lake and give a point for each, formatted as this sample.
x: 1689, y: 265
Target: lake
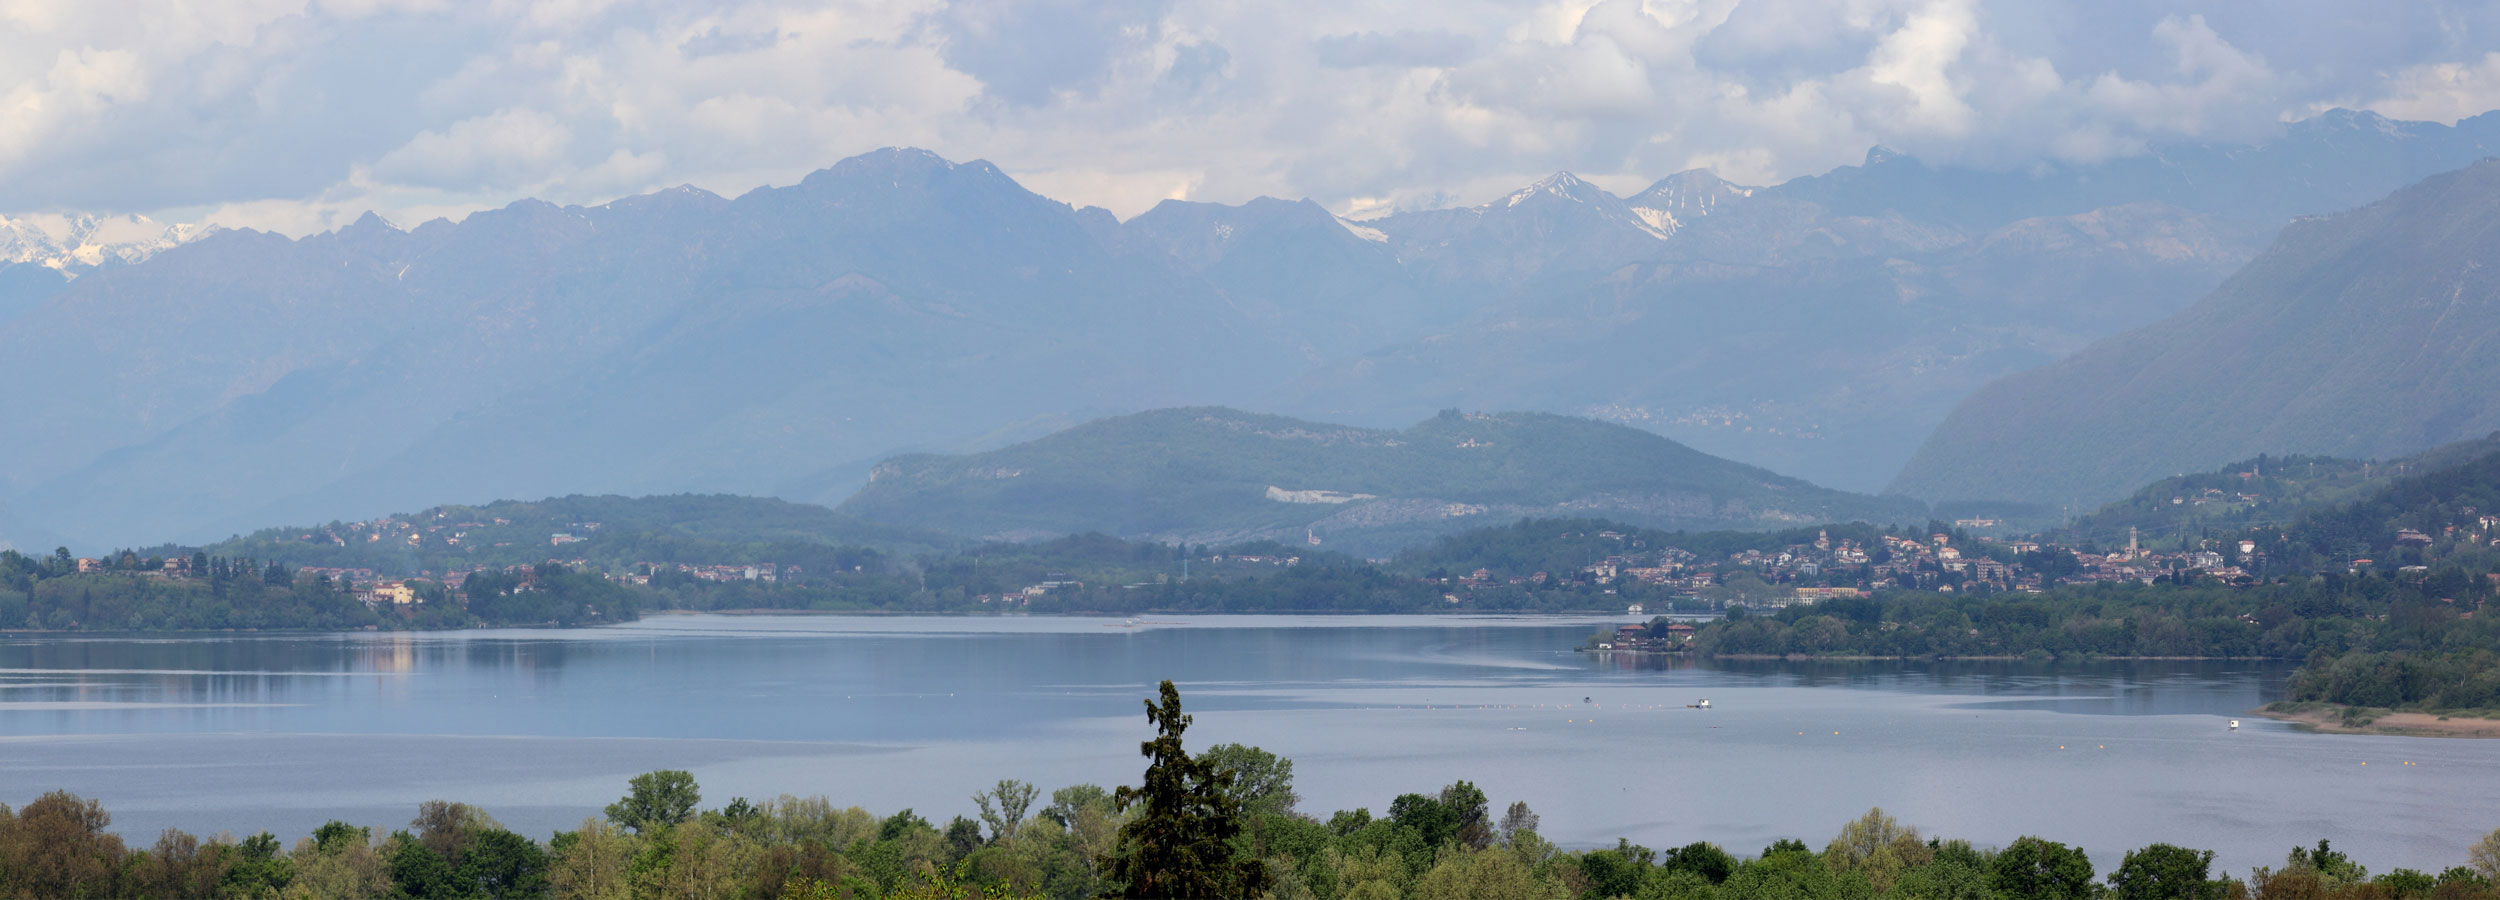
x: 542, y: 728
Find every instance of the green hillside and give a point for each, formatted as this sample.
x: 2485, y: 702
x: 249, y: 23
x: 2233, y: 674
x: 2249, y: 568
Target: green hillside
x: 1219, y: 475
x: 2263, y: 492
x: 2445, y: 519
x: 613, y: 533
x: 2367, y: 334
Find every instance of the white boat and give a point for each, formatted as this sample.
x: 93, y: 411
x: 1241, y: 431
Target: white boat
x: 2235, y: 724
x: 1705, y: 704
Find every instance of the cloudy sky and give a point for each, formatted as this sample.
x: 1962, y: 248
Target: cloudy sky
x: 296, y: 116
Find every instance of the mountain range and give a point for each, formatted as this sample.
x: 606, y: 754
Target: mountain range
x: 1214, y: 475
x: 784, y: 341
x: 2368, y: 334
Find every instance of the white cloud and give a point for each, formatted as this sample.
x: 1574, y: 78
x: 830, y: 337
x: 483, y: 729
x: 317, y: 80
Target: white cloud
x: 2441, y: 92
x: 302, y: 113
x: 1919, y: 58
x: 509, y: 148
x: 2220, y: 90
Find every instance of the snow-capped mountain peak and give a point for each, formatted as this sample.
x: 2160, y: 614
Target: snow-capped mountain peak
x: 73, y: 243
x: 1560, y: 184
x: 1683, y: 197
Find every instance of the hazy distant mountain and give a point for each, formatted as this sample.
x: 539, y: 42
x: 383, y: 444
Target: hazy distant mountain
x: 783, y: 341
x: 673, y: 341
x: 1558, y: 227
x: 1828, y: 369
x: 2336, y: 160
x: 24, y: 286
x: 1216, y: 475
x: 2368, y: 334
x: 1331, y: 286
x: 1824, y: 326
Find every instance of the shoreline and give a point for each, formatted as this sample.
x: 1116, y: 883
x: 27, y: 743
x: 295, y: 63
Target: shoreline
x: 990, y: 614
x: 1814, y: 657
x: 2328, y: 718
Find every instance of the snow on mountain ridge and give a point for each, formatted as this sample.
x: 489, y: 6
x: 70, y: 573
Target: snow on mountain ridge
x: 1559, y: 184
x: 1361, y: 230
x: 1684, y: 195
x: 71, y: 243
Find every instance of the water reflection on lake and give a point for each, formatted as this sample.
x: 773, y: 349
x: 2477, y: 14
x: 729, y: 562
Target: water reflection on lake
x: 233, y: 732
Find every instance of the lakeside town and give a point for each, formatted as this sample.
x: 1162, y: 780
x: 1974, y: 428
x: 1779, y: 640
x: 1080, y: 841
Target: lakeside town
x: 1633, y: 570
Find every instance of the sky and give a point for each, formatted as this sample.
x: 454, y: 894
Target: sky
x: 298, y: 116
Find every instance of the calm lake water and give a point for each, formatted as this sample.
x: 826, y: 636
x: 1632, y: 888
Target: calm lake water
x: 542, y: 728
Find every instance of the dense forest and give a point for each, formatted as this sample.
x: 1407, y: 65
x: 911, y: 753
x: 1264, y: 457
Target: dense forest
x: 2431, y: 681
x: 1222, y: 823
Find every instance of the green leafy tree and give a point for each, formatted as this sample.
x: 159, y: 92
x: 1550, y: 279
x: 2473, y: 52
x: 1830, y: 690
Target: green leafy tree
x: 500, y: 864
x: 423, y: 874
x: 2407, y: 883
x: 2035, y: 869
x: 255, y: 868
x: 1180, y: 843
x: 1956, y: 872
x: 962, y: 837
x: 590, y: 863
x: 656, y: 800
x: 1262, y: 782
x: 2485, y: 856
x: 2166, y: 872
x: 1467, y: 875
x: 1517, y: 820
x: 1067, y: 802
x: 1003, y: 807
x: 2330, y: 863
x: 1793, y: 872
x: 1618, y: 872
x: 1876, y: 846
x: 1700, y: 858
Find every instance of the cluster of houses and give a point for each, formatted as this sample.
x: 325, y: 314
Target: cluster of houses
x: 767, y: 573
x: 1673, y: 637
x: 418, y: 531
x: 376, y: 590
x: 1828, y: 568
x: 1025, y: 596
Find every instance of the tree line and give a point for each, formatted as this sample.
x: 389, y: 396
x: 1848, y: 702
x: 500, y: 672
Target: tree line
x: 2291, y: 618
x: 216, y: 593
x: 2453, y: 680
x: 1223, y: 823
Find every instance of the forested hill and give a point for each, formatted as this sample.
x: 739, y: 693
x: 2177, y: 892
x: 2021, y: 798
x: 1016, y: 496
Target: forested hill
x: 2264, y: 491
x: 1208, y: 474
x: 2436, y: 519
x: 609, y: 533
